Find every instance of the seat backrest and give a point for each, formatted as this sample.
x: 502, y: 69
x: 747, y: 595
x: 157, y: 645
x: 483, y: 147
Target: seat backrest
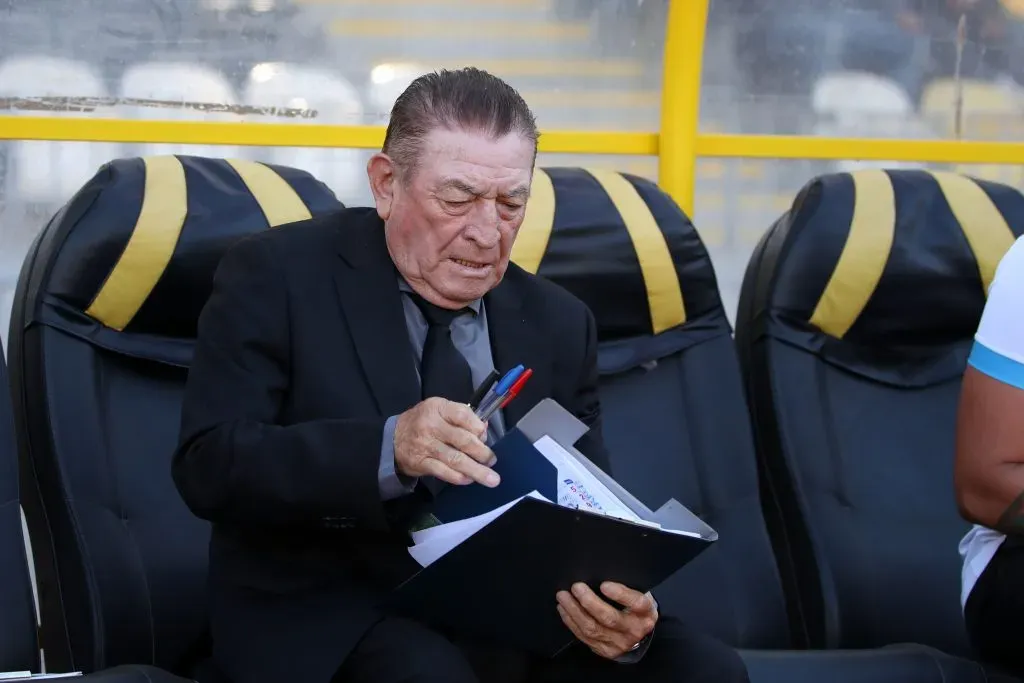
x: 856, y: 316
x: 18, y: 647
x: 675, y: 419
x: 103, y: 328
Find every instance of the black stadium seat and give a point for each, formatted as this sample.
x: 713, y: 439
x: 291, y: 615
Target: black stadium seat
x: 19, y: 649
x: 101, y: 339
x: 856, y: 317
x: 675, y: 417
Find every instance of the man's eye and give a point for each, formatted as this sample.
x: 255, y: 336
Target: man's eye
x: 457, y: 202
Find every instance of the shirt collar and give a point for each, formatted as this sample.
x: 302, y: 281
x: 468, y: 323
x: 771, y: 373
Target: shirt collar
x: 473, y: 305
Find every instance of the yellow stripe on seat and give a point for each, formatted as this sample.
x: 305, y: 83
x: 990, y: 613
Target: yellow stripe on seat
x: 865, y: 253
x: 535, y: 232
x: 986, y: 230
x: 278, y: 200
x: 664, y: 296
x: 150, y: 246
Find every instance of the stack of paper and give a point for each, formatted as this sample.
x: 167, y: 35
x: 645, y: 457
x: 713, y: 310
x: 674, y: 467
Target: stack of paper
x: 577, y: 488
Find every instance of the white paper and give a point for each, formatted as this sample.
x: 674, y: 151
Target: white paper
x: 29, y: 676
x: 578, y: 488
x: 433, y: 543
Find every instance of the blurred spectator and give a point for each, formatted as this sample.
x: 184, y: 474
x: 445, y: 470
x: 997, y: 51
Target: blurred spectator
x: 992, y: 41
x: 785, y: 45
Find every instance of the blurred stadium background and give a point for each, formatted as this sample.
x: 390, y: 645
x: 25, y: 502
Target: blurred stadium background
x: 856, y: 68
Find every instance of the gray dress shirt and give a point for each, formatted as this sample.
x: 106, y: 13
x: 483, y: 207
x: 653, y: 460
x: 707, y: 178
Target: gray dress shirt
x: 470, y: 336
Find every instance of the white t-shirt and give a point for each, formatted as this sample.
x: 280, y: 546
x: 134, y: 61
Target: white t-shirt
x: 999, y: 353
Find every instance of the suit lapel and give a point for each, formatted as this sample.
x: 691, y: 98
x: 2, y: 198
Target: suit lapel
x: 516, y: 338
x: 369, y: 295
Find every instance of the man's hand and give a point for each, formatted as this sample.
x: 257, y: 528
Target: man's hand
x: 605, y: 629
x: 445, y: 440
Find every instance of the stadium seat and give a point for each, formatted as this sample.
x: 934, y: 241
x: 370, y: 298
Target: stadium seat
x: 48, y: 173
x: 181, y: 91
x: 19, y: 650
x: 676, y: 420
x: 103, y: 325
x: 857, y: 313
x: 331, y: 100
x: 858, y: 104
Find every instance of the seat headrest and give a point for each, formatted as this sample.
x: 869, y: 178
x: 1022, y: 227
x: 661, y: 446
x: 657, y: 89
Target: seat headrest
x: 627, y: 250
x: 128, y: 263
x: 877, y: 269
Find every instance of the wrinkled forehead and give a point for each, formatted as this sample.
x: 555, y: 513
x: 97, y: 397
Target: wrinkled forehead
x: 476, y: 163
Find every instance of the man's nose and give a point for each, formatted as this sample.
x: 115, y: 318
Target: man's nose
x: 484, y: 230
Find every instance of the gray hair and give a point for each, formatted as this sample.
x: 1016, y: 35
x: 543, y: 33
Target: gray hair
x: 465, y: 99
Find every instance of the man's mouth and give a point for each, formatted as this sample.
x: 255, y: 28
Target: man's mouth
x: 470, y: 264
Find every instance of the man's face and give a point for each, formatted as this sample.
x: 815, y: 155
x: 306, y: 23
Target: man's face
x: 451, y: 225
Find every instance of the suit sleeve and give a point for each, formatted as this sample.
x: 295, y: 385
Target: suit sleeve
x: 235, y: 462
x: 585, y: 403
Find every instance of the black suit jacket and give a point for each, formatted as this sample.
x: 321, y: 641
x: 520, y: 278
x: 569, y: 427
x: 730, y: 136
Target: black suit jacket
x: 302, y: 355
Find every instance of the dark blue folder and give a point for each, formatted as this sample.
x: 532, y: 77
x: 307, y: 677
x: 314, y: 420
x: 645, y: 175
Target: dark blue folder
x: 522, y: 469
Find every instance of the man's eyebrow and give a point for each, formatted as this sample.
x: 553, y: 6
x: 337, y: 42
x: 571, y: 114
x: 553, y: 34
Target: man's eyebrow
x: 521, y: 192
x: 456, y: 184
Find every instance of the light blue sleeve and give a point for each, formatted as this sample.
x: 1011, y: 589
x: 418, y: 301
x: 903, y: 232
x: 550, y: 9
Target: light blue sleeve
x: 391, y: 482
x: 999, y: 342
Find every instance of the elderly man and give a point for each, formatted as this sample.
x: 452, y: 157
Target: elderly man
x: 327, y: 397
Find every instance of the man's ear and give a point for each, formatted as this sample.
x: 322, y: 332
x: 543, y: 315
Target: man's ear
x: 381, y: 171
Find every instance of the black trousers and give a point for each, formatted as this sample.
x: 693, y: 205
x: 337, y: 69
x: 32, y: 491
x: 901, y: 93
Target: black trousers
x: 994, y: 613
x: 402, y: 651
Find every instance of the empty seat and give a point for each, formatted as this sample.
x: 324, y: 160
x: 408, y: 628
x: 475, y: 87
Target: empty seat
x: 177, y: 91
x: 856, y: 316
x: 331, y: 100
x: 19, y: 649
x: 103, y: 325
x: 675, y: 417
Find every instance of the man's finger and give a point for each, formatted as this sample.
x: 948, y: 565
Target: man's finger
x: 461, y: 415
x: 600, y: 648
x: 591, y: 630
x: 635, y: 601
x: 465, y: 441
x: 460, y: 462
x: 601, y: 611
x: 437, y: 469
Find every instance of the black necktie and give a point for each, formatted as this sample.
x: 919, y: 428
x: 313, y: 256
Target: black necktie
x: 444, y: 371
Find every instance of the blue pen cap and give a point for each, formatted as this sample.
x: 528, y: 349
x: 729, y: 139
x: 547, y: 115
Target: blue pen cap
x: 509, y: 379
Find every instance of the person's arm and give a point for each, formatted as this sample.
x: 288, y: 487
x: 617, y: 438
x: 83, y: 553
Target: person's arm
x: 989, y: 465
x: 235, y: 461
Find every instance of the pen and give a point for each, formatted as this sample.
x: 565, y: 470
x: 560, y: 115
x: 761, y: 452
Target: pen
x: 499, y: 389
x: 514, y: 391
x: 507, y: 397
x: 484, y: 390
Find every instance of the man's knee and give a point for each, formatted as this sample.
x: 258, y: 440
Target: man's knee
x: 685, y: 654
x: 404, y: 651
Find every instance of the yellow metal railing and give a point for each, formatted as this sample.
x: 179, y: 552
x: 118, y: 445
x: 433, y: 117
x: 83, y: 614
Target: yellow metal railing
x: 678, y: 144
